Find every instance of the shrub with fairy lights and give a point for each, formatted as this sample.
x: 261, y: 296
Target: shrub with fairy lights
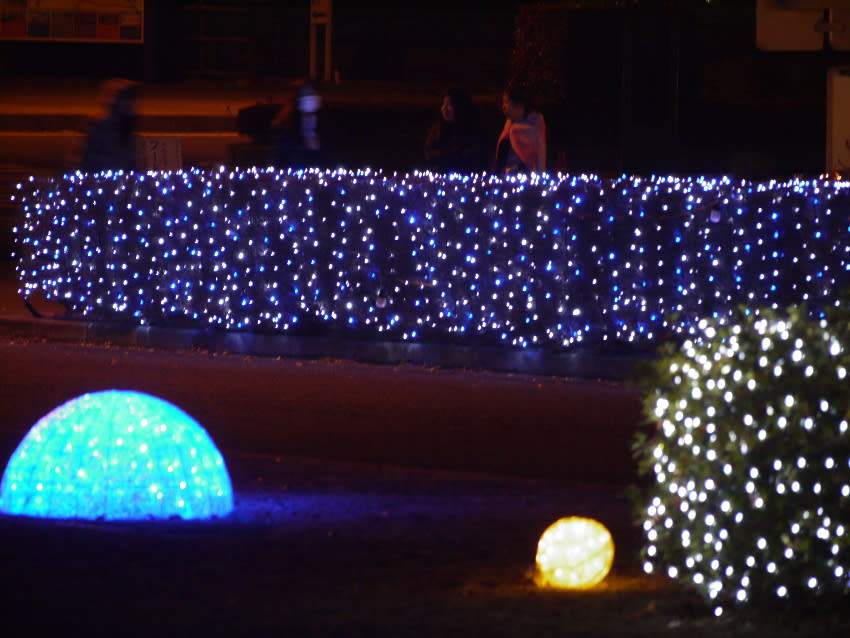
x: 751, y: 458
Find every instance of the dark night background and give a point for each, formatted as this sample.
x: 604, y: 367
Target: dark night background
x: 647, y: 86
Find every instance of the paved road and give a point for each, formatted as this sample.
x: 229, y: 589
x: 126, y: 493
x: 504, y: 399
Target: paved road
x: 395, y: 543
x: 514, y: 424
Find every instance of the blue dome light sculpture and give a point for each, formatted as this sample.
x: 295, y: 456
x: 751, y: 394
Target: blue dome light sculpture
x: 117, y: 455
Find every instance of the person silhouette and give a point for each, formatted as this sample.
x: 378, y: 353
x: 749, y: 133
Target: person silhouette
x: 455, y: 142
x: 110, y: 138
x: 521, y: 147
x: 296, y: 130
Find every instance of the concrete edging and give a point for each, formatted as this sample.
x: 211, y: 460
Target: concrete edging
x: 494, y: 358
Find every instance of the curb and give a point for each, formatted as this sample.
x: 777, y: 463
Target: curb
x: 492, y: 358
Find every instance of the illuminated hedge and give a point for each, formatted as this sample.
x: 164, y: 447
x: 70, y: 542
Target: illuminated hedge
x: 751, y: 459
x: 546, y: 261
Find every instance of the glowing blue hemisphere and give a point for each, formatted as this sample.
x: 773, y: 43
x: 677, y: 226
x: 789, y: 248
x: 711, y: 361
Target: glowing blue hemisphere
x: 117, y: 455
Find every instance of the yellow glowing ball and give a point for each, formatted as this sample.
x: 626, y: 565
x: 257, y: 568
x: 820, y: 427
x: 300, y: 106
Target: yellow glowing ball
x: 574, y: 553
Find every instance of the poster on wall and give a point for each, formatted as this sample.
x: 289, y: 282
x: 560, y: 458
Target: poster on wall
x: 73, y: 20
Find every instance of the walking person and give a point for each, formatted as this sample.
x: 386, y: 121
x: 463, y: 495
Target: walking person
x: 296, y: 131
x: 110, y: 142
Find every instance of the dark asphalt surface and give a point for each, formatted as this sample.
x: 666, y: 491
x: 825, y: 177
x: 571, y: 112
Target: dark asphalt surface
x: 510, y: 424
x: 371, y: 500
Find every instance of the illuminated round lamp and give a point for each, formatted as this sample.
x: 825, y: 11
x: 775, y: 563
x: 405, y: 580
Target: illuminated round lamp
x: 574, y: 553
x: 117, y: 455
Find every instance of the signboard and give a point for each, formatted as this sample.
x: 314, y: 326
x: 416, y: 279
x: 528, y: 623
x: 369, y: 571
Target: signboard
x: 72, y: 20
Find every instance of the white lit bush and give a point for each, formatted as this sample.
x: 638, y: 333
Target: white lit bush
x: 750, y: 460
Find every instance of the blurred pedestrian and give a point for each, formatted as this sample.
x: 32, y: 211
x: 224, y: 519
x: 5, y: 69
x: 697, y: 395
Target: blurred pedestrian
x: 109, y: 142
x: 296, y: 131
x: 455, y: 143
x: 521, y: 147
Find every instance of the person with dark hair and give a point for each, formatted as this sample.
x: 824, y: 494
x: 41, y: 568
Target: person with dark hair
x: 455, y: 143
x: 521, y: 147
x: 295, y: 130
x: 110, y: 140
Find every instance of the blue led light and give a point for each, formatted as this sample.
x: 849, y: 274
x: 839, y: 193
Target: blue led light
x: 315, y: 239
x: 116, y: 455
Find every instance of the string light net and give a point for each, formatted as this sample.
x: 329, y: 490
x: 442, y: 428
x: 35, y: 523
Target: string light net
x: 117, y: 455
x: 574, y: 553
x: 541, y: 261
